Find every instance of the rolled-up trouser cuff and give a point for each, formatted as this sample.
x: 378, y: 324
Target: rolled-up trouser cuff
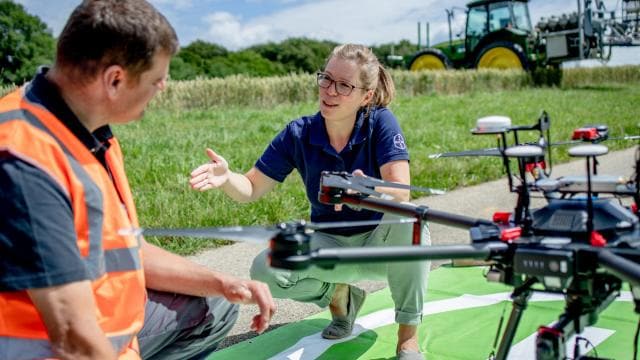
x: 408, y: 318
x: 327, y: 296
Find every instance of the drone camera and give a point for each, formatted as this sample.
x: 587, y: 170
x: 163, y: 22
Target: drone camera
x: 550, y: 343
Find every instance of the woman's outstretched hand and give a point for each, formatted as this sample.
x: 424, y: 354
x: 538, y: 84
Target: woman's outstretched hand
x: 210, y: 175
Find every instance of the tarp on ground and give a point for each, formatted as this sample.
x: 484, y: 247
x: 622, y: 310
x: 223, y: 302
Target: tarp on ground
x: 461, y: 318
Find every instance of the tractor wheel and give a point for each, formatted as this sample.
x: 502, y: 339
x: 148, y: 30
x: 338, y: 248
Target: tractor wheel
x: 502, y: 55
x: 430, y: 59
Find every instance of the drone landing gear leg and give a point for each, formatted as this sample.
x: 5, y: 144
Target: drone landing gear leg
x: 520, y: 298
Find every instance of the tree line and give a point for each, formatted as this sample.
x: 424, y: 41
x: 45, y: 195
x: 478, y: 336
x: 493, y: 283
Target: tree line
x: 26, y: 43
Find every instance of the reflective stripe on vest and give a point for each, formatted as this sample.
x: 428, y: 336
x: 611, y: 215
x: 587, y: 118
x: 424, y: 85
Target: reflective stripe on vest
x: 93, y: 196
x: 19, y: 349
x: 122, y: 259
x: 116, y: 259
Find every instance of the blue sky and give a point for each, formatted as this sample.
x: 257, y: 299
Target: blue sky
x: 237, y: 24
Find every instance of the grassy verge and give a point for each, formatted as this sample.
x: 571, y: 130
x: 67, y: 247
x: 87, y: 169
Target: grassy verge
x: 161, y: 150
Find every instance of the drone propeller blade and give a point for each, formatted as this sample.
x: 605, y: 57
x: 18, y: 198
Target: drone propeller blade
x: 568, y: 142
x: 480, y: 152
x: 341, y: 224
x: 362, y: 188
x: 371, y: 181
x: 626, y: 137
x: 253, y: 234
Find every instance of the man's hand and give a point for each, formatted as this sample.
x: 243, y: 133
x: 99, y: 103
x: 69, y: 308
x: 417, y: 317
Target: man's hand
x: 211, y: 175
x: 252, y: 292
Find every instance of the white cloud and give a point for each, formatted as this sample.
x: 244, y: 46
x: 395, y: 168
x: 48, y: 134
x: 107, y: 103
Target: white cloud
x: 227, y: 30
x: 341, y: 21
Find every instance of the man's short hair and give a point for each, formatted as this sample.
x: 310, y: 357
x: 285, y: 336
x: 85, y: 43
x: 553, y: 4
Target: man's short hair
x: 102, y: 33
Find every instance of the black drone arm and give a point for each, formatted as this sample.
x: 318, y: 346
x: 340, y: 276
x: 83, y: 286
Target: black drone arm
x: 328, y: 257
x: 615, y: 262
x: 337, y: 188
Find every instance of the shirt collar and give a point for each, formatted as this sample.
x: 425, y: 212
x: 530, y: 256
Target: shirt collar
x: 41, y: 91
x: 319, y: 136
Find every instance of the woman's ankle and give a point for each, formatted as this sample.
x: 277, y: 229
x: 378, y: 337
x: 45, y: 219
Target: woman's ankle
x: 407, y: 338
x: 339, y: 300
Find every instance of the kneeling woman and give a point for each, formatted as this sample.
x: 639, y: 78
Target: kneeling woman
x: 353, y: 132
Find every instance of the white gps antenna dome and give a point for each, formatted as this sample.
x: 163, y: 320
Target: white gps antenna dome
x: 492, y: 124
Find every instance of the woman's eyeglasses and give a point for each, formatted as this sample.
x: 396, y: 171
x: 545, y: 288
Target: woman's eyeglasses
x: 342, y: 88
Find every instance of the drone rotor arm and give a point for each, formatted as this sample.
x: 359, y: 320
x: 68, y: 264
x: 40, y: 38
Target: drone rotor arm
x: 620, y: 266
x: 253, y: 234
x: 331, y: 256
x: 479, y: 152
x: 374, y: 182
x: 341, y: 224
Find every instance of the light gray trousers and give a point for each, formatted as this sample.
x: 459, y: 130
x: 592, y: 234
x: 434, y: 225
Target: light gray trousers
x: 182, y: 327
x: 407, y: 280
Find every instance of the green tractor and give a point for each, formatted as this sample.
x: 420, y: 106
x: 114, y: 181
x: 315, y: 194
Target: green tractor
x: 499, y: 35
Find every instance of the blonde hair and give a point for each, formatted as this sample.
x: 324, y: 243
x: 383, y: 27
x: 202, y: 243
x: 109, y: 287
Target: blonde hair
x: 373, y: 75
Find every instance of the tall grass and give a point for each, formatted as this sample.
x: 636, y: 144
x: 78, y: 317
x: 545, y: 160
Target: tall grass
x: 162, y: 149
x: 243, y: 90
x: 294, y: 88
x: 236, y: 90
x: 580, y: 77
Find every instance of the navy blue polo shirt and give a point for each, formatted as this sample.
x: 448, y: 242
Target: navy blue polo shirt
x: 38, y: 246
x: 304, y: 145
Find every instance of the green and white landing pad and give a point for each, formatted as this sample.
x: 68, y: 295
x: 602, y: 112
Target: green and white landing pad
x: 461, y: 318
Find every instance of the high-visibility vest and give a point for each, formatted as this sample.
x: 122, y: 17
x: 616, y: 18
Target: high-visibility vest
x: 102, y: 206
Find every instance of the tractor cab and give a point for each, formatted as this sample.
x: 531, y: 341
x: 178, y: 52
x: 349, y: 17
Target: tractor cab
x: 496, y: 34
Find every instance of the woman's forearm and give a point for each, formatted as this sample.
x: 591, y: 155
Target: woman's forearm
x: 239, y: 188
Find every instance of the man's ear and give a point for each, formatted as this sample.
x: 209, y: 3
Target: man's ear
x: 113, y: 79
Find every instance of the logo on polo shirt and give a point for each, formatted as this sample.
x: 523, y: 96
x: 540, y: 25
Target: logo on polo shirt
x: 398, y: 142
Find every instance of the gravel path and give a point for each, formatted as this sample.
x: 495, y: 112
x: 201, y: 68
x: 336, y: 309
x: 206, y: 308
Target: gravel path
x: 477, y: 201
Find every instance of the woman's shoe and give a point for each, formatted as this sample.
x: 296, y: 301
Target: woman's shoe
x: 410, y: 355
x: 342, y: 326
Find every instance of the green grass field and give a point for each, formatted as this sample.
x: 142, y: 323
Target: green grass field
x: 163, y: 148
